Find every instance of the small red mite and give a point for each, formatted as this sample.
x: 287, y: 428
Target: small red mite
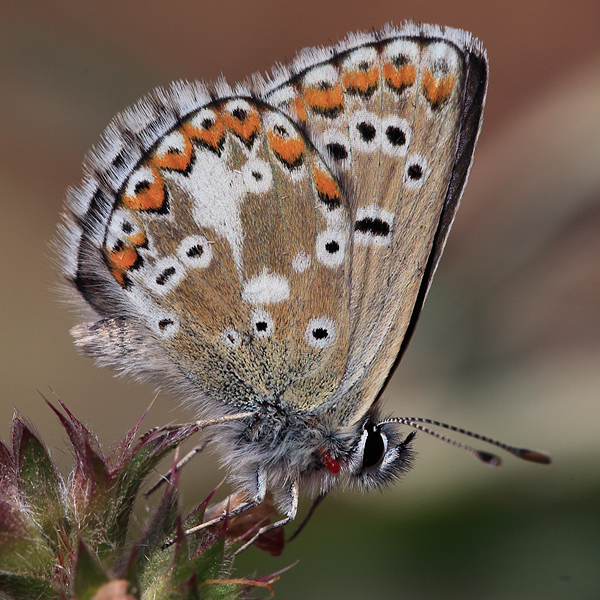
x: 330, y: 463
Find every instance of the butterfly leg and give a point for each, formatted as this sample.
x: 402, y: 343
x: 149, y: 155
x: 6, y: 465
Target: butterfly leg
x: 294, y: 494
x: 259, y: 497
x: 310, y: 513
x: 200, y: 425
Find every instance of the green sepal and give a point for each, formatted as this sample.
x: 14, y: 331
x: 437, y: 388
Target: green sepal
x: 183, y: 568
x: 211, y: 561
x: 187, y: 590
x: 131, y: 575
x: 132, y: 468
x: 223, y: 591
x: 39, y: 482
x: 45, y: 523
x: 15, y: 586
x: 164, y: 522
x: 89, y: 575
x: 21, y: 544
x: 90, y: 486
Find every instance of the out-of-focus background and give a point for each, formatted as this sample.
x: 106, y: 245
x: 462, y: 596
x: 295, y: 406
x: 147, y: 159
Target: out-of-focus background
x: 509, y: 341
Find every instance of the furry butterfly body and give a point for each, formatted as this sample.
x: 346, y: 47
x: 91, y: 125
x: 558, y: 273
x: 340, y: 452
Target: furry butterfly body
x: 265, y: 250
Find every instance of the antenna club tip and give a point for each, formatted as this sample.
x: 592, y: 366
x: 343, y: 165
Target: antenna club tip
x: 488, y: 458
x: 534, y: 456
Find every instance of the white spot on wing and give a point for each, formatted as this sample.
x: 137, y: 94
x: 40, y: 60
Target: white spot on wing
x: 262, y: 323
x: 122, y: 226
x: 400, y: 48
x: 172, y: 142
x: 396, y: 134
x: 335, y: 149
x: 217, y: 192
x: 164, y: 276
x: 415, y: 171
x: 163, y: 323
x: 257, y: 176
x: 203, y: 118
x: 266, y: 288
x: 238, y: 104
x: 362, y: 55
x: 301, y: 262
x: 282, y: 95
x: 365, y: 131
x: 331, y: 247
x: 195, y: 251
x: 322, y: 74
x: 373, y: 213
x: 231, y: 338
x: 320, y: 332
x: 140, y: 175
x: 442, y: 59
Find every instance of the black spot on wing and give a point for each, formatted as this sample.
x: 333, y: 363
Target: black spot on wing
x: 373, y: 226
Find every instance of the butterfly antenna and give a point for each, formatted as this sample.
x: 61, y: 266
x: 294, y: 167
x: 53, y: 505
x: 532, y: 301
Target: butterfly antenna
x: 486, y: 457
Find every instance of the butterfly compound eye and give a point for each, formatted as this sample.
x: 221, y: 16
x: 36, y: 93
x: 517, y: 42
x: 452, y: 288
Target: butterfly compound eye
x: 375, y: 448
x: 380, y: 456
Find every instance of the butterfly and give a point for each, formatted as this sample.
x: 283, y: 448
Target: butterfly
x: 265, y: 250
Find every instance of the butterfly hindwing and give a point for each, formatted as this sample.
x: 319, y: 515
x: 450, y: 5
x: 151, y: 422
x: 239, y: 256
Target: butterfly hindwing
x: 229, y: 241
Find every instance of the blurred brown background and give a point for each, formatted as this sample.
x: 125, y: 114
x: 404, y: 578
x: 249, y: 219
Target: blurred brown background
x: 508, y: 344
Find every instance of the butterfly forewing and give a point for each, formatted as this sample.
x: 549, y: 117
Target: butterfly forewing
x: 413, y: 178
x: 389, y: 119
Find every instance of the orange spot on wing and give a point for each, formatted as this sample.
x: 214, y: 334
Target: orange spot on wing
x: 138, y: 239
x: 297, y: 105
x: 120, y: 261
x: 176, y: 159
x: 362, y: 82
x: 437, y: 91
x: 327, y: 188
x: 119, y: 275
x: 245, y: 128
x: 399, y: 78
x: 149, y: 197
x: 287, y: 149
x: 124, y: 258
x: 211, y: 135
x: 327, y: 101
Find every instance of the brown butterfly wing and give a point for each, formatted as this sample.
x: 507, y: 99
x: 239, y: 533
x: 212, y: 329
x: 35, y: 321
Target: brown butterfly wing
x: 397, y: 119
x: 223, y: 263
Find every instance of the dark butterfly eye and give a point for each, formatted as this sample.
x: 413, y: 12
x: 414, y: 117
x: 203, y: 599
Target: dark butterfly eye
x: 375, y: 447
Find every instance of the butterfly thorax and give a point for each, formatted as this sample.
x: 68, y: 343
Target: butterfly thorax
x: 310, y: 448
